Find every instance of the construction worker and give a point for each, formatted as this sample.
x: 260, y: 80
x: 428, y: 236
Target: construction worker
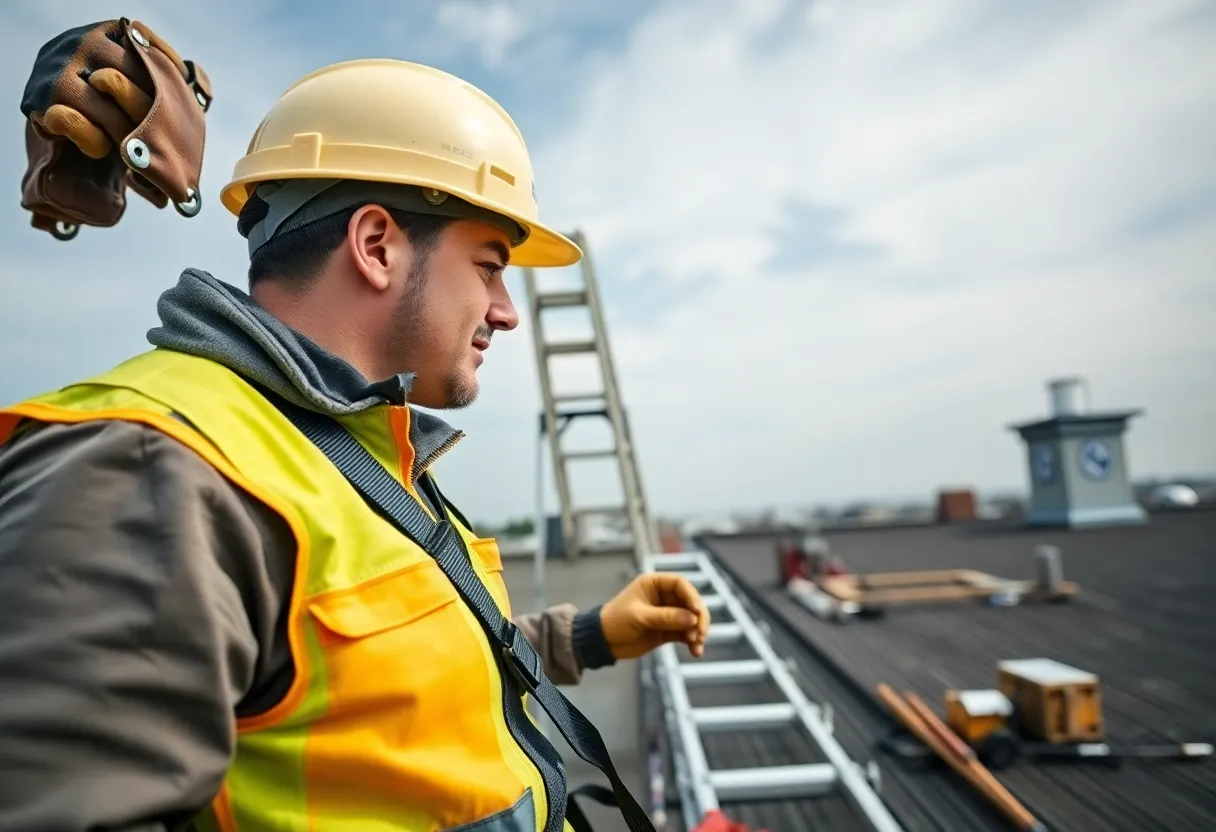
x: 232, y: 596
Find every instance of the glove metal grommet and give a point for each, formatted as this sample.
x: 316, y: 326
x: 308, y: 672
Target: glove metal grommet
x: 139, y: 38
x: 64, y: 230
x: 191, y: 206
x: 138, y: 154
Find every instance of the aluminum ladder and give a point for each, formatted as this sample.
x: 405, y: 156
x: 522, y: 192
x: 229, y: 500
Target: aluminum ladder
x: 560, y: 409
x: 701, y: 788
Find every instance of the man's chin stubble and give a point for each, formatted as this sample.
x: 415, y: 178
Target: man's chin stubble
x: 461, y: 394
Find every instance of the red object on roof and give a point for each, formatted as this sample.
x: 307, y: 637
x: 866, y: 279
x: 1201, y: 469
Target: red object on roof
x: 715, y: 821
x: 956, y: 506
x: 792, y: 563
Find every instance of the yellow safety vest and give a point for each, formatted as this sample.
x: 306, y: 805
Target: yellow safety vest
x: 395, y: 719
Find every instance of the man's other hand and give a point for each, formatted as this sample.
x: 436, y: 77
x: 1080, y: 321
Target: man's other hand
x: 654, y: 609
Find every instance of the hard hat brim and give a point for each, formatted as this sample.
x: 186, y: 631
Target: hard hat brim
x: 544, y: 247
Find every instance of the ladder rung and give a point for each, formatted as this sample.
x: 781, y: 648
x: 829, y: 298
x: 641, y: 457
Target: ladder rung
x: 569, y: 347
x: 674, y: 560
x: 579, y: 413
x: 706, y: 787
x: 773, y: 782
x: 724, y: 634
x: 583, y: 512
x: 611, y: 547
x: 744, y: 717
x: 578, y: 397
x: 611, y: 452
x: 713, y: 602
x: 745, y: 670
x: 552, y: 300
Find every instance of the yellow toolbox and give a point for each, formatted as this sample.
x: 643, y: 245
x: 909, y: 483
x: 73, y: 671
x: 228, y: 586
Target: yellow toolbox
x: 1053, y: 701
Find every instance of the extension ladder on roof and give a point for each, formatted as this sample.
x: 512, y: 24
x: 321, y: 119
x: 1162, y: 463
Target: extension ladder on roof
x: 703, y: 789
x: 560, y: 409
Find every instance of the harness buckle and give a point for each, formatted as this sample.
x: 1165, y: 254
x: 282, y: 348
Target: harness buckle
x: 521, y: 659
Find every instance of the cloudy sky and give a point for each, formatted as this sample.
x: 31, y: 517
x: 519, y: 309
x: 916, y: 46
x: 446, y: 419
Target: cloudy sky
x: 841, y: 245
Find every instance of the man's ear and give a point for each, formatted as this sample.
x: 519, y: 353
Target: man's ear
x: 374, y: 243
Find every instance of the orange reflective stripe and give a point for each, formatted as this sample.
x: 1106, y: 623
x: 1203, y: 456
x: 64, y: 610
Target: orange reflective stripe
x: 8, y: 423
x: 399, y: 424
x: 222, y: 807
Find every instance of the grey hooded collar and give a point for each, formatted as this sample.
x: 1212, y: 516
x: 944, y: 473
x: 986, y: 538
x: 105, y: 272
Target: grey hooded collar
x: 206, y: 317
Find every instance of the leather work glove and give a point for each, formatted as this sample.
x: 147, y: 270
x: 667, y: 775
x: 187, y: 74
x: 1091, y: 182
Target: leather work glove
x: 655, y: 608
x: 111, y: 105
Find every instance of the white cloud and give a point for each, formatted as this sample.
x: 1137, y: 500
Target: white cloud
x: 491, y: 28
x: 995, y: 162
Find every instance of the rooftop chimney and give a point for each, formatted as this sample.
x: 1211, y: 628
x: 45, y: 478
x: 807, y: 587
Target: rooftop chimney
x: 1068, y: 396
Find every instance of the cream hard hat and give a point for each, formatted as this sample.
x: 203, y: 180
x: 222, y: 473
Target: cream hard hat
x: 396, y: 122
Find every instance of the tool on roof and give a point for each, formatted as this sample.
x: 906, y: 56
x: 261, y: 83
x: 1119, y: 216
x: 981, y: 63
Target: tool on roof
x: 716, y: 821
x: 918, y: 719
x: 704, y: 790
x: 1046, y: 711
x: 109, y: 106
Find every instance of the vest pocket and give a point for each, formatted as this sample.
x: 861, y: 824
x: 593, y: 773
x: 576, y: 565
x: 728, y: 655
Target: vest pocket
x: 410, y: 722
x: 383, y: 603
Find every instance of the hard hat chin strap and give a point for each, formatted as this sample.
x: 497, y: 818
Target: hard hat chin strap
x: 291, y: 204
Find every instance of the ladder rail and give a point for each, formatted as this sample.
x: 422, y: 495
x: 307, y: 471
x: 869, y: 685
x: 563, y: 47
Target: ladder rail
x: 683, y: 777
x: 706, y: 788
x: 643, y: 532
x: 561, y: 481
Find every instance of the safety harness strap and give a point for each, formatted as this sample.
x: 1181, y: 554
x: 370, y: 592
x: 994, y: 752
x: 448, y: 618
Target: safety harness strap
x: 443, y: 543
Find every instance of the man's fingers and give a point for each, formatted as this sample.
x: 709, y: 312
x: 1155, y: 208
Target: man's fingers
x: 677, y: 590
x: 62, y: 120
x: 677, y: 637
x: 691, y: 599
x: 135, y: 102
x: 667, y: 618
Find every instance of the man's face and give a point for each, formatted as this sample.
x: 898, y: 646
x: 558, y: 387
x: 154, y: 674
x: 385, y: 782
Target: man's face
x: 453, y: 301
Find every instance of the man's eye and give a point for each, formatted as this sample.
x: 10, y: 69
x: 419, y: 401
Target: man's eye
x: 492, y: 270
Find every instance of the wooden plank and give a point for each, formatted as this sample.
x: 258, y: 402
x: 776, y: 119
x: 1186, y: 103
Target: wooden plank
x: 923, y: 595
x: 1027, y: 590
x: 919, y: 577
x: 923, y: 723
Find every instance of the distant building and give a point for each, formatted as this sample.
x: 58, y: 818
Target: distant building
x: 956, y: 505
x: 1077, y: 464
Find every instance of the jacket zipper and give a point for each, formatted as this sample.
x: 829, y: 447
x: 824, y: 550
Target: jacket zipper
x: 422, y: 466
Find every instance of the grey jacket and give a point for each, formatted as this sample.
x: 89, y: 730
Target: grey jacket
x: 143, y: 598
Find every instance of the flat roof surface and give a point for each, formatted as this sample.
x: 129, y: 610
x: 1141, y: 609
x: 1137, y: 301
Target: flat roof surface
x: 1144, y: 621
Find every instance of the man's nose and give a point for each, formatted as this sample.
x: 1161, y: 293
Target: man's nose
x: 502, y: 314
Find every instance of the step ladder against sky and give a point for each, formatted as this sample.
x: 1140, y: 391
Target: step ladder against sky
x: 581, y: 300
x: 703, y: 789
